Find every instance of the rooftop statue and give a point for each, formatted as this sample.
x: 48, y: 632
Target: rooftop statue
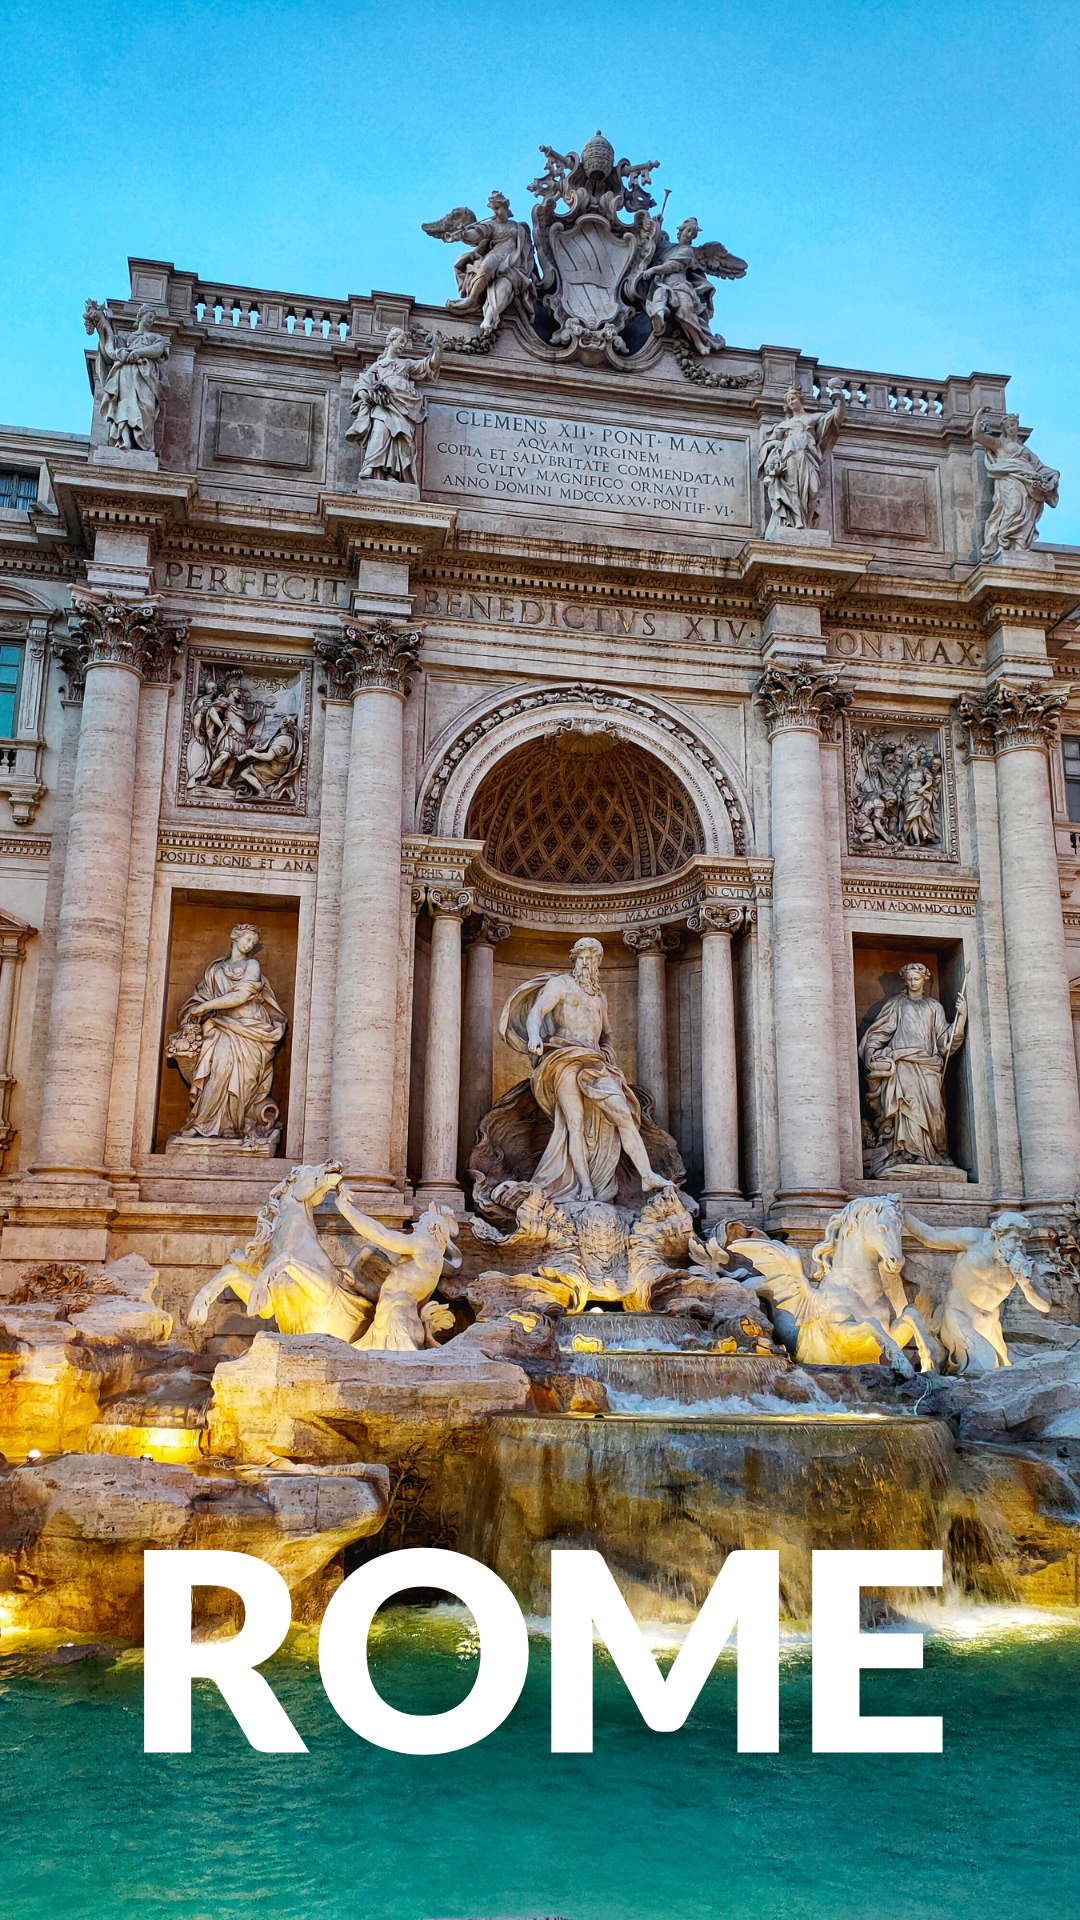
x: 789, y: 460
x: 905, y: 1051
x: 1023, y: 486
x: 990, y: 1262
x: 387, y: 410
x: 498, y: 268
x: 128, y: 382
x: 679, y: 292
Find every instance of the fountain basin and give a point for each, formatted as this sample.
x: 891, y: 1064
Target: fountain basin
x: 632, y: 1333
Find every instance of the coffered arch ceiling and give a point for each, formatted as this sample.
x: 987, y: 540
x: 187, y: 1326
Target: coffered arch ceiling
x: 584, y: 809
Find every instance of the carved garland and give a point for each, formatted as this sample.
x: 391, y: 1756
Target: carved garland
x: 584, y: 692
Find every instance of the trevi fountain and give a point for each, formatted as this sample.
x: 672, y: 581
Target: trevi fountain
x: 539, y: 950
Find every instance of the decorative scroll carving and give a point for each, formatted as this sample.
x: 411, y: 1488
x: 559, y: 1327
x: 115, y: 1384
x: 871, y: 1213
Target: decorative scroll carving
x: 583, y: 693
x: 716, y: 916
x: 245, y: 732
x: 899, y: 790
x: 1024, y: 715
x: 122, y: 633
x: 794, y: 697
x: 449, y: 905
x: 362, y: 658
x: 647, y: 939
x: 486, y: 930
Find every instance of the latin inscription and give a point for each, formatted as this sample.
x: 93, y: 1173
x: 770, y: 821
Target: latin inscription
x: 251, y: 583
x: 587, y: 616
x: 906, y: 649
x: 700, y: 478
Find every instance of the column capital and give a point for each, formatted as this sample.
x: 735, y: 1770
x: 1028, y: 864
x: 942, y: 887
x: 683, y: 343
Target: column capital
x: 362, y: 659
x: 792, y: 697
x: 104, y: 632
x: 487, y: 931
x: 653, y: 939
x: 718, y: 916
x: 449, y: 904
x: 1022, y: 715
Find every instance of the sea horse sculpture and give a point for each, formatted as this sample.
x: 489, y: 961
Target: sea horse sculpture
x: 285, y: 1273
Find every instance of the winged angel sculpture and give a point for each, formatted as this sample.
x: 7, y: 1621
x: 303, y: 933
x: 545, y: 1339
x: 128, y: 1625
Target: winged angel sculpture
x: 606, y: 283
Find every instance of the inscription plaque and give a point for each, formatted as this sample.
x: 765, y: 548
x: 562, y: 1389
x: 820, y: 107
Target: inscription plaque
x: 683, y: 475
x: 255, y: 426
x: 896, y: 505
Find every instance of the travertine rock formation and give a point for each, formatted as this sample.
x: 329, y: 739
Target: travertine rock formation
x: 73, y: 1531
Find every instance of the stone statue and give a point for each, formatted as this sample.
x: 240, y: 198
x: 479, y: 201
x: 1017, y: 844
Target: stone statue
x: 896, y: 791
x: 498, y: 267
x: 561, y: 1021
x: 789, y: 460
x: 1022, y: 486
x: 678, y: 283
x: 285, y: 1273
x: 856, y: 1311
x: 128, y: 383
x: 239, y: 745
x: 406, y: 1317
x: 230, y: 1030
x: 990, y: 1262
x: 904, y: 1051
x: 387, y: 409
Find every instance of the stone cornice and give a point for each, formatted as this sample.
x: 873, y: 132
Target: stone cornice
x: 379, y: 658
x: 1022, y: 715
x: 384, y: 519
x: 791, y: 697
x: 704, y: 881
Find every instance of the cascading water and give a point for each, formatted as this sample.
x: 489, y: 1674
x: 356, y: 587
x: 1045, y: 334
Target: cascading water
x: 706, y: 1452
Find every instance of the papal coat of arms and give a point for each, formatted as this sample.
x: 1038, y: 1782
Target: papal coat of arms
x: 605, y: 278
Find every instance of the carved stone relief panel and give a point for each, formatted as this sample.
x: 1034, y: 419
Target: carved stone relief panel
x: 246, y: 732
x: 900, y: 790
x: 891, y: 504
x: 247, y: 427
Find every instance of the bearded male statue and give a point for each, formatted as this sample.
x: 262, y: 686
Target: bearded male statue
x: 561, y: 1021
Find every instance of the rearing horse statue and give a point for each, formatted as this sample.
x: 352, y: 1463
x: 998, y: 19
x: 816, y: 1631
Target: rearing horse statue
x: 856, y: 1310
x: 285, y: 1272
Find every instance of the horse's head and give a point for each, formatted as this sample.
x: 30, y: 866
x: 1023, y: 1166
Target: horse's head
x: 310, y: 1185
x: 867, y: 1232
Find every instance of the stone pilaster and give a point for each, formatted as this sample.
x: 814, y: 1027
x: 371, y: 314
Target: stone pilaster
x: 118, y: 645
x: 717, y: 923
x: 478, y: 1027
x: 442, y: 1060
x: 652, y: 946
x: 796, y: 705
x: 371, y: 666
x: 1020, y: 723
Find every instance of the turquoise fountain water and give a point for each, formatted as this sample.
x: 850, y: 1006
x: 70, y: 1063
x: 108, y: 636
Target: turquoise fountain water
x: 648, y: 1827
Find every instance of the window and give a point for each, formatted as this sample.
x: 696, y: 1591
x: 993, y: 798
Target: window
x: 17, y: 489
x: 1070, y: 748
x: 11, y: 658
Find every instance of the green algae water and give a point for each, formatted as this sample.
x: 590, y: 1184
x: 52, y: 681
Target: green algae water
x: 648, y: 1827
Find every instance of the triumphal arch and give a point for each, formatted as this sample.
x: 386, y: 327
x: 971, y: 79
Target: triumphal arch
x: 366, y: 657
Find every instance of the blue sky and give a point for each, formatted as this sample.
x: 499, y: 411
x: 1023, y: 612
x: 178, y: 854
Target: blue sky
x: 902, y: 179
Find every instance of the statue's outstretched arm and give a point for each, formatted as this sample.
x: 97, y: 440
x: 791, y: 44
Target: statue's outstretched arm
x: 385, y: 1237
x: 942, y: 1239
x: 1031, y: 1294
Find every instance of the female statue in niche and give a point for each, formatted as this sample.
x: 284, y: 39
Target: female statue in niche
x: 230, y: 1030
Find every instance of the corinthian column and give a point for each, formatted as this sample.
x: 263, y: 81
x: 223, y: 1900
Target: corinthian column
x: 652, y: 946
x: 373, y: 667
x: 119, y: 645
x: 442, y: 1064
x: 1018, y: 723
x: 716, y: 924
x: 795, y: 702
x: 477, y: 1039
